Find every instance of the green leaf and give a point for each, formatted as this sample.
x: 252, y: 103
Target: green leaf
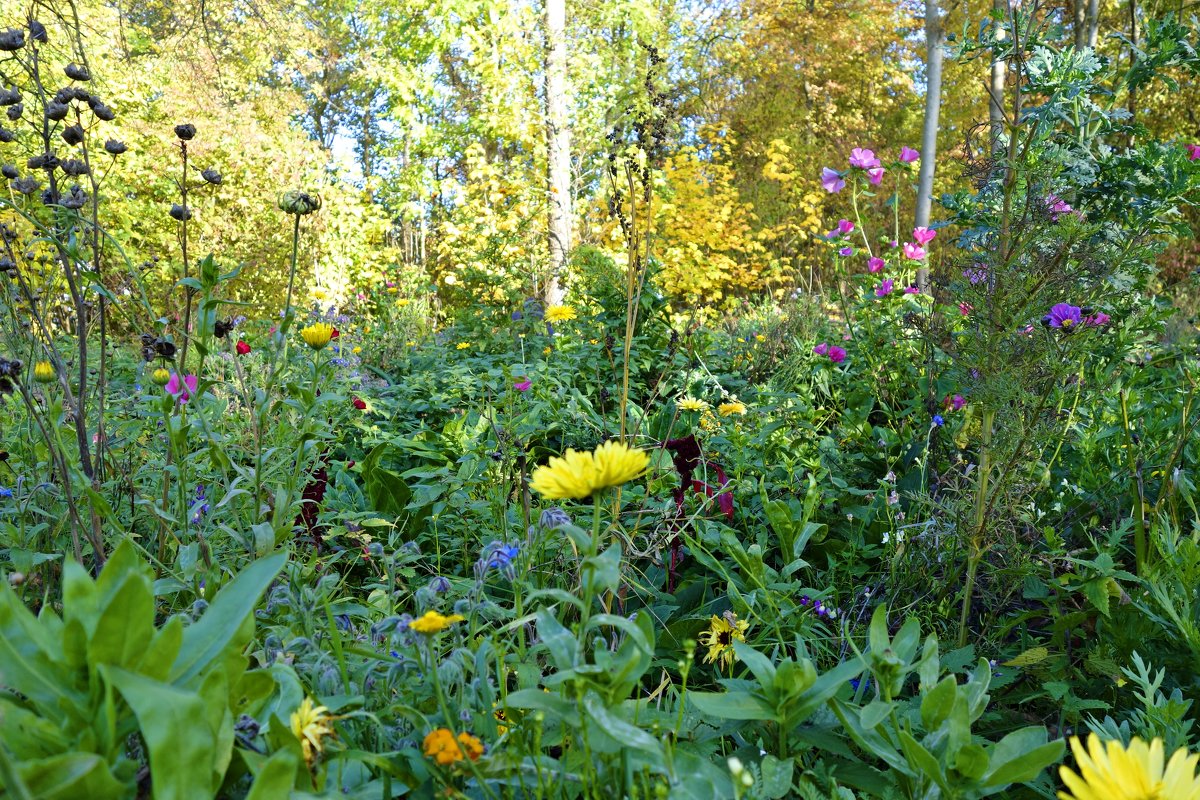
x: 1021, y: 756
x: 275, y: 777
x: 205, y: 641
x: 923, y: 760
x: 757, y: 663
x: 937, y: 703
x: 558, y: 640
x: 776, y: 777
x: 603, y: 572
x: 172, y: 722
x: 72, y: 776
x: 732, y: 705
x: 628, y: 735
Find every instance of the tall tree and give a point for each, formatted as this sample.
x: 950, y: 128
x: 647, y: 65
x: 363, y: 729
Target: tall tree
x: 934, y: 36
x: 558, y: 148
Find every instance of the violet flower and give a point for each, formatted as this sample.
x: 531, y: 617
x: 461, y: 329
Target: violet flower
x: 845, y: 226
x: 875, y: 175
x: 885, y: 288
x: 1064, y: 315
x: 837, y: 354
x: 863, y: 158
x: 832, y: 180
x: 875, y: 264
x: 908, y: 155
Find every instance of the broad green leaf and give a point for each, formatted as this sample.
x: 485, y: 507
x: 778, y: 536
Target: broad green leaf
x: 72, y: 776
x: 629, y: 735
x: 731, y: 705
x: 275, y: 777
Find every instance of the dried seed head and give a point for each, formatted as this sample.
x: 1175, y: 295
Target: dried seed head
x: 103, y: 112
x: 75, y: 199
x: 37, y: 32
x: 180, y: 213
x: 77, y: 72
x: 6, y: 135
x: 10, y: 96
x: 26, y: 185
x: 49, y: 197
x: 10, y: 172
x: 114, y: 147
x: 56, y: 110
x: 64, y: 95
x: 46, y: 161
x: 186, y: 131
x: 212, y: 176
x: 15, y: 111
x: 12, y: 39
x: 75, y: 167
x: 72, y: 134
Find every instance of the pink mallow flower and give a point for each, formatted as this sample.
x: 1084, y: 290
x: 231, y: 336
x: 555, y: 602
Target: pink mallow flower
x: 875, y: 264
x: 181, y: 390
x: 837, y: 355
x: 832, y: 180
x: 914, y: 252
x: 863, y: 158
x: 523, y: 385
x: 885, y: 288
x: 1193, y: 152
x: 908, y: 155
x: 911, y: 290
x: 1099, y: 318
x: 846, y: 251
x: 845, y: 226
x: 923, y: 236
x: 822, y: 349
x: 875, y: 175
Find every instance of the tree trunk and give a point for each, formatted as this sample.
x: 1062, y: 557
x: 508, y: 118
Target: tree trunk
x: 1093, y: 22
x: 558, y: 149
x: 934, y: 36
x: 999, y: 74
x: 1079, y: 27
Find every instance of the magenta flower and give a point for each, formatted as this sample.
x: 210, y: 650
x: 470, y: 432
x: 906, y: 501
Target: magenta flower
x: 1064, y: 315
x: 966, y: 308
x: 914, y: 252
x: 1099, y: 318
x: 923, y: 236
x: 822, y: 349
x: 832, y: 180
x: 846, y: 251
x: 875, y: 264
x: 957, y: 402
x: 885, y: 288
x: 908, y: 155
x: 1057, y: 207
x: 837, y: 355
x: 911, y: 290
x: 845, y: 226
x: 863, y: 159
x: 875, y: 175
x: 1193, y: 152
x: 523, y: 385
x: 181, y: 390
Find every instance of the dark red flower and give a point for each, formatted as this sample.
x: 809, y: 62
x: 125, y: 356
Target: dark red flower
x: 242, y: 348
x: 359, y: 403
x: 336, y: 333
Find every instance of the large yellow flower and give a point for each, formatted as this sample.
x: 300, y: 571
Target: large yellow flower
x: 317, y: 335
x: 578, y: 475
x: 722, y: 632
x: 731, y: 408
x: 310, y: 724
x: 691, y: 404
x: 1110, y: 771
x: 559, y: 314
x: 432, y: 622
x: 443, y: 747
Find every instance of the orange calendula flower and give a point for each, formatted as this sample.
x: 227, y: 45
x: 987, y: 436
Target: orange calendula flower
x: 445, y: 748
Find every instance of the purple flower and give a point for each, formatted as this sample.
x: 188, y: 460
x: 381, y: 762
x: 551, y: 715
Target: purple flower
x: 908, y: 155
x: 181, y: 390
x: 845, y: 226
x: 1099, y: 318
x: 822, y: 349
x: 1064, y: 315
x: 975, y: 274
x: 523, y: 385
x: 1193, y: 152
x: 875, y: 264
x: 832, y: 180
x: 957, y: 402
x: 914, y: 252
x: 863, y: 159
x: 923, y: 236
x: 846, y: 251
x: 875, y: 175
x: 885, y: 288
x: 837, y: 355
x: 911, y: 290
x: 1057, y: 207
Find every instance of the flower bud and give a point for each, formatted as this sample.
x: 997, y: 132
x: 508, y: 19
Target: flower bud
x: 43, y: 372
x: 77, y: 72
x: 161, y: 376
x: 186, y: 131
x: 114, y: 147
x: 180, y: 213
x: 56, y: 111
x: 16, y: 578
x: 299, y: 202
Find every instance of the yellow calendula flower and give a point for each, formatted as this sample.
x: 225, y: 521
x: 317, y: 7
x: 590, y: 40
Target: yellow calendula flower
x: 356, y: 350
x: 722, y: 632
x: 317, y: 335
x: 410, y: 343
x: 709, y: 422
x: 578, y: 475
x: 1111, y: 771
x: 692, y: 404
x: 556, y: 314
x: 432, y: 622
x: 43, y: 372
x: 402, y: 302
x: 311, y: 725
x: 730, y: 408
x: 463, y: 346
x: 319, y: 294
x: 758, y: 337
x: 445, y: 748
x: 393, y: 290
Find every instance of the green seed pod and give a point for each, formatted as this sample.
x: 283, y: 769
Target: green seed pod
x: 299, y: 202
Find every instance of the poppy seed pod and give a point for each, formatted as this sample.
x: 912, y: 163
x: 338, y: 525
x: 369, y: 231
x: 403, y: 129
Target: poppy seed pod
x: 64, y: 95
x: 299, y: 203
x: 6, y: 135
x: 212, y: 176
x: 114, y: 147
x: 186, y: 132
x: 75, y: 167
x: 9, y: 96
x: 10, y: 172
x: 103, y: 112
x: 77, y: 72
x: 72, y: 134
x: 180, y: 213
x: 12, y: 39
x: 75, y: 199
x: 26, y: 185
x: 56, y: 111
x: 37, y: 32
x: 15, y: 111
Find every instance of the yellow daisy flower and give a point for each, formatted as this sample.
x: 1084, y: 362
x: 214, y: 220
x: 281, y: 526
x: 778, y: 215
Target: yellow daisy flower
x: 432, y: 622
x: 559, y: 314
x: 692, y: 404
x: 578, y: 475
x: 1111, y: 771
x: 317, y: 335
x: 402, y: 302
x: 618, y: 463
x: 310, y: 724
x: 463, y: 346
x: 730, y: 408
x: 356, y: 350
x: 722, y: 632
